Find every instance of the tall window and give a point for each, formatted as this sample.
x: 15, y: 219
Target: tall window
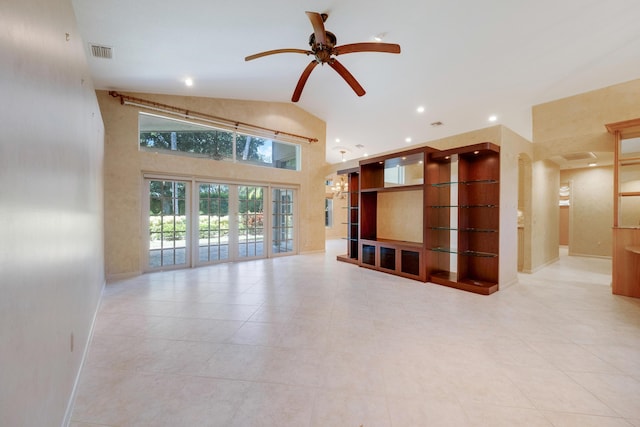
x: 167, y: 223
x: 328, y: 212
x: 161, y: 134
x: 283, y: 227
x: 250, y: 221
x: 213, y: 222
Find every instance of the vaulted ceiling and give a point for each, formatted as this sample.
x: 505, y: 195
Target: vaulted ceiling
x: 463, y: 61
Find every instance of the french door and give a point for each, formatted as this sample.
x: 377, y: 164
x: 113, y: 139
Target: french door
x: 216, y: 222
x: 167, y: 224
x: 250, y: 222
x: 213, y: 223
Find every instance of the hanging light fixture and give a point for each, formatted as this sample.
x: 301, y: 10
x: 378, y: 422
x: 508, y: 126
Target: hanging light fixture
x: 340, y: 189
x: 342, y: 153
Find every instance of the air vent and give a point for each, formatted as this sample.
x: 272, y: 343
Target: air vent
x: 571, y: 157
x: 99, y: 51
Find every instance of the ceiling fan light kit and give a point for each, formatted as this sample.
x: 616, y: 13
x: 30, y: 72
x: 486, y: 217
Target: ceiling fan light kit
x: 324, y: 50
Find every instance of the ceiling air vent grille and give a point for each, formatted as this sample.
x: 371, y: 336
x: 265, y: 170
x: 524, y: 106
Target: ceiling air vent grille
x: 579, y: 156
x: 99, y: 51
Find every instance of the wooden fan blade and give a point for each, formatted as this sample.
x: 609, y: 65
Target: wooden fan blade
x: 273, y: 52
x: 347, y: 76
x: 303, y: 79
x: 318, y: 27
x: 367, y: 47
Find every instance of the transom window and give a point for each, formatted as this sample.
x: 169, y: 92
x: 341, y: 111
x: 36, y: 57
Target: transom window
x: 162, y: 134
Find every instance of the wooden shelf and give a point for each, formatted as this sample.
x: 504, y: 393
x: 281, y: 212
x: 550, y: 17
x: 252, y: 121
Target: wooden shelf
x: 633, y: 249
x: 396, y: 188
x: 450, y: 279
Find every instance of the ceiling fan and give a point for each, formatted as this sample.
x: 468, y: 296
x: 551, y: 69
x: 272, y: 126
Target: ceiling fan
x: 324, y: 50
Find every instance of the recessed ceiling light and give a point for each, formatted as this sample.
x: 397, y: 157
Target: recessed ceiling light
x: 592, y: 165
x: 337, y: 139
x: 188, y: 81
x: 407, y: 140
x: 420, y: 109
x: 366, y: 154
x: 493, y: 118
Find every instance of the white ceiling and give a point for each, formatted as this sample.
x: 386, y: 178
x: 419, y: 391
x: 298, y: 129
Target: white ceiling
x: 462, y: 60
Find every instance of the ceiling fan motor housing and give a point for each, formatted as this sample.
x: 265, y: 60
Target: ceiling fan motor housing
x: 331, y: 40
x: 323, y: 52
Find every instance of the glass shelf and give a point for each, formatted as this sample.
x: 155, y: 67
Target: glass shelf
x: 472, y: 182
x: 465, y: 253
x: 463, y: 206
x: 471, y: 230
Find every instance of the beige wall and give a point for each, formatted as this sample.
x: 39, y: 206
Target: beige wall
x: 125, y: 165
x: 400, y: 216
x: 545, y: 216
x: 591, y: 211
x: 515, y: 193
x: 51, y: 206
x: 576, y: 124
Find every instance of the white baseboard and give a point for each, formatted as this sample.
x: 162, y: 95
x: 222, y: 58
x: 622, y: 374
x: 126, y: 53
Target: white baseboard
x: 122, y: 276
x: 72, y: 399
x: 590, y: 255
x: 556, y: 259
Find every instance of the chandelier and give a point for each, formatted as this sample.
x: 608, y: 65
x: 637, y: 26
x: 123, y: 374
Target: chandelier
x: 340, y: 189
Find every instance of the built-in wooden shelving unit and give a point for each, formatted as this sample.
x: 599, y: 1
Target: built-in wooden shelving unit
x: 432, y: 215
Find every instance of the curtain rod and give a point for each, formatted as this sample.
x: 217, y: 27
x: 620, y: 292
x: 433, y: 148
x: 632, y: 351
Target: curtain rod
x: 156, y: 106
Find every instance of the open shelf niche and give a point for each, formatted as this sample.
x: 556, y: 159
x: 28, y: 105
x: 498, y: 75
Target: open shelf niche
x: 392, y: 233
x: 463, y: 217
x: 353, y: 215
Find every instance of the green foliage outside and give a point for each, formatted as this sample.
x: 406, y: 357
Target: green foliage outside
x: 215, y: 144
x: 175, y: 227
x: 167, y: 219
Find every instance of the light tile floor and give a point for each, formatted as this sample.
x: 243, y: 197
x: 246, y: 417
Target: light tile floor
x: 309, y: 341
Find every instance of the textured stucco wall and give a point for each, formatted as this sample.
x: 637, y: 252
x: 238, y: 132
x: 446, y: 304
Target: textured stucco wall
x: 125, y: 165
x: 577, y: 124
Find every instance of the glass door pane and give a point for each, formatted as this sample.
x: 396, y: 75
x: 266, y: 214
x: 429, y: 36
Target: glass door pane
x: 213, y: 223
x: 250, y: 222
x: 283, y: 227
x: 167, y: 223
